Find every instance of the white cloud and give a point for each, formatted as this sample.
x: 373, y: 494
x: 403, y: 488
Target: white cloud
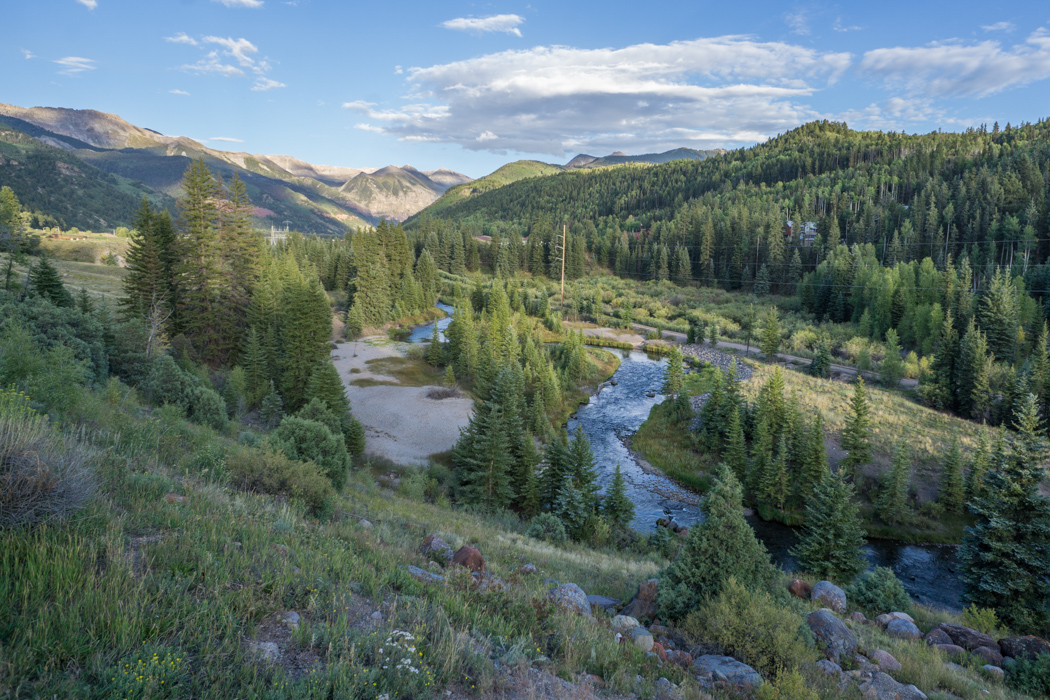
x: 179, y: 92
x: 999, y: 27
x: 702, y: 93
x: 495, y: 23
x: 398, y: 70
x: 226, y: 139
x: 181, y: 38
x: 264, y: 84
x: 798, y: 20
x: 89, y: 4
x: 211, y: 63
x: 369, y: 127
x: 28, y: 54
x: 241, y: 3
x: 961, y: 70
x: 235, y: 48
x: 75, y: 65
x: 840, y: 27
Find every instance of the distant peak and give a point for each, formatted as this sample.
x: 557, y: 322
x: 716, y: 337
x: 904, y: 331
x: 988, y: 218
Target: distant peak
x: 618, y: 153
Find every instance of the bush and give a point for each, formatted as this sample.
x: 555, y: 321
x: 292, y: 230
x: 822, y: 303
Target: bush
x: 269, y: 471
x: 878, y: 591
x: 983, y: 620
x: 310, y: 441
x: 548, y: 528
x: 208, y: 408
x: 750, y: 626
x: 787, y: 686
x: 1031, y: 676
x: 41, y: 476
x: 166, y: 383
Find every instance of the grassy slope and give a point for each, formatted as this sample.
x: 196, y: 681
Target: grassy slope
x: 511, y: 172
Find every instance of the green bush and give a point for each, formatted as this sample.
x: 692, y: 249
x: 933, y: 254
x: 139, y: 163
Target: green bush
x: 879, y: 591
x: 1031, y: 676
x: 208, y: 408
x: 166, y: 383
x: 787, y: 686
x: 269, y: 471
x: 983, y: 620
x: 310, y: 441
x: 548, y: 528
x: 751, y: 626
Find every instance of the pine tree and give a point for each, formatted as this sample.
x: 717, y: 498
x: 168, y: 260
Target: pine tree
x: 999, y: 314
x: 831, y: 541
x: 938, y: 390
x: 427, y: 276
x: 436, y: 352
x: 326, y: 386
x: 305, y: 327
x: 736, y: 449
x: 199, y: 269
x: 146, y: 283
x: 617, y: 508
x: 372, y: 281
x: 570, y: 508
x: 1004, y: 554
x: 257, y: 371
x: 814, y: 460
x: 584, y: 468
x: 892, y: 502
x: 953, y: 493
x: 483, y: 460
x: 45, y: 281
x: 721, y: 546
x: 979, y: 467
x: 272, y: 408
x: 892, y: 368
x: 449, y: 379
x: 821, y: 364
x: 673, y: 373
x: 770, y: 337
x: 557, y: 466
x: 84, y: 303
x: 856, y: 436
x: 239, y: 250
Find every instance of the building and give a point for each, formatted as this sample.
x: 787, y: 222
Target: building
x: 804, y: 234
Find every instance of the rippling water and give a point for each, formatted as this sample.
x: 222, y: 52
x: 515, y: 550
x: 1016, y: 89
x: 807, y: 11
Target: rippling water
x: 422, y: 334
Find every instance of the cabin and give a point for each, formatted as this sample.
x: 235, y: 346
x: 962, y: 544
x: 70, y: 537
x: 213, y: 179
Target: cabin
x: 804, y: 234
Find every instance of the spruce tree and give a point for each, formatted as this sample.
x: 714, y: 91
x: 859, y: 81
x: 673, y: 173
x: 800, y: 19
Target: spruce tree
x: 673, y: 373
x: 814, y: 461
x: 427, y: 276
x: 305, y: 327
x: 821, y: 363
x: 892, y: 368
x: 953, y: 493
x: 1004, y: 554
x: 45, y: 281
x: 831, y: 541
x: 272, y: 408
x: 979, y: 463
x: 617, y: 508
x: 856, y: 436
x: 145, y: 283
x: 892, y: 501
x: 372, y: 281
x: 584, y: 468
x: 721, y: 546
x: 199, y: 269
x: 557, y: 466
x: 435, y: 352
x: 770, y: 337
x: 483, y: 461
x: 239, y: 251
x: 257, y: 371
x: 326, y: 386
x: 938, y: 388
x: 736, y: 449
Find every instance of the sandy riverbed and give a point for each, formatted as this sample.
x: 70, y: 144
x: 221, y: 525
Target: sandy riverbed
x: 401, y: 423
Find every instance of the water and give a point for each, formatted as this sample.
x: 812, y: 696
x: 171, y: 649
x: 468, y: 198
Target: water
x: 423, y: 334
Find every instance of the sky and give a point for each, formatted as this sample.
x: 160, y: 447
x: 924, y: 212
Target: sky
x: 470, y: 86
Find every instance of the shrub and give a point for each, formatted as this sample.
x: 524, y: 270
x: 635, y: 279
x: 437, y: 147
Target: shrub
x: 41, y: 476
x: 1031, y: 676
x: 750, y: 626
x: 878, y: 591
x: 787, y: 686
x: 208, y: 408
x: 983, y: 620
x: 310, y: 441
x: 166, y: 383
x: 269, y: 471
x: 548, y: 528
x: 235, y: 392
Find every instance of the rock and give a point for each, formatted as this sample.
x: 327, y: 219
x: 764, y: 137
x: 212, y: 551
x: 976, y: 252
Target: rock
x: 1024, y: 647
x: 609, y: 605
x: 993, y: 671
x: 884, y: 620
x: 1008, y: 663
x: 551, y: 582
x: 666, y: 690
x: 830, y: 668
x: 267, y: 651
x: 838, y: 641
x: 623, y: 624
x: 659, y: 630
x: 365, y: 525
x: 643, y: 605
x: 641, y: 638
x: 881, y: 686
x: 175, y: 498
x: 435, y: 567
x: 469, y: 557
x: 830, y: 595
x: 902, y: 629
x: 858, y: 617
x: 726, y: 670
x: 375, y: 619
x: 424, y: 576
x: 800, y: 589
x: 673, y: 525
x: 681, y: 659
x: 660, y: 652
x: 436, y: 548
x: 864, y: 663
x: 952, y: 650
x: 937, y: 636
x: 968, y: 639
x: 885, y: 661
x: 486, y: 581
x: 527, y: 570
x: 290, y: 619
x: 569, y: 596
x: 988, y: 655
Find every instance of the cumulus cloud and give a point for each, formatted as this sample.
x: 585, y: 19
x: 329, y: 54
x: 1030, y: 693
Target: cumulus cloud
x: 702, y: 93
x: 226, y: 139
x: 241, y: 3
x: 999, y: 27
x: 211, y: 63
x: 181, y: 38
x: 179, y: 92
x: 89, y: 4
x: 75, y: 65
x: 263, y: 84
x: 495, y: 23
x: 956, y: 69
x: 237, y: 49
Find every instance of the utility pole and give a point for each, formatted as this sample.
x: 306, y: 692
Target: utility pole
x: 563, y: 251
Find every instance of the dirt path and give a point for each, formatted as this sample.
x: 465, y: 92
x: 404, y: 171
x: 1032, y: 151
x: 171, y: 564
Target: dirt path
x: 401, y: 423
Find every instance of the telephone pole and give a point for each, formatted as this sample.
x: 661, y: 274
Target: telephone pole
x: 563, y: 251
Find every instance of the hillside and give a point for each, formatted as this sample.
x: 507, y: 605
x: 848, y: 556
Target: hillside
x: 509, y: 173
x: 586, y: 161
x: 285, y: 190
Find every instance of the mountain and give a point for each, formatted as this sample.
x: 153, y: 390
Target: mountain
x: 619, y: 158
x: 285, y: 190
x: 511, y: 172
x: 580, y: 161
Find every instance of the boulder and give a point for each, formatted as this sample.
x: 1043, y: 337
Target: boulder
x: 267, y: 651
x: 527, y: 570
x: 569, y: 596
x: 830, y: 595
x: 609, y: 605
x: 988, y: 655
x: 682, y: 659
x: 800, y: 589
x: 660, y: 652
x: 830, y: 631
x: 952, y: 650
x: 725, y: 670
x: 937, y: 636
x: 623, y: 624
x: 829, y: 668
x: 641, y: 638
x: 424, y: 576
x: 881, y: 686
x: 365, y: 525
x: 858, y: 617
x: 469, y: 557
x: 289, y: 619
x: 883, y: 620
x: 643, y: 605
x: 993, y: 671
x: 886, y: 662
x: 666, y: 690
x: 1024, y: 647
x: 968, y: 639
x: 486, y: 581
x: 436, y: 548
x: 902, y: 629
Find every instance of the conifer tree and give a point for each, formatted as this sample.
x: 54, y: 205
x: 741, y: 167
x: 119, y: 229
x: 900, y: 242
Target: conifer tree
x: 256, y: 369
x: 584, y: 468
x: 145, y: 283
x: 831, y: 540
x: 770, y: 337
x: 856, y: 436
x: 326, y: 386
x: 736, y: 448
x: 761, y: 455
x: 483, y: 460
x: 938, y: 389
x: 372, y: 281
x: 953, y: 493
x: 892, y: 501
x: 305, y: 327
x: 239, y: 250
x: 435, y: 353
x: 814, y: 460
x: 979, y: 466
x: 557, y: 466
x: 45, y: 281
x: 449, y: 379
x: 723, y: 545
x: 272, y: 408
x: 84, y: 303
x: 673, y: 374
x: 427, y: 276
x: 617, y: 508
x: 821, y: 364
x: 998, y: 314
x: 199, y: 270
x: 892, y: 368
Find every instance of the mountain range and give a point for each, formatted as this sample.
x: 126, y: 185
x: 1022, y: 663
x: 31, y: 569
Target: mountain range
x: 88, y: 169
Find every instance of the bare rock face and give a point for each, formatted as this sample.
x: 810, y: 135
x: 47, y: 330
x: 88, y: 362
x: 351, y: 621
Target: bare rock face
x: 968, y: 639
x: 830, y: 631
x: 800, y: 589
x: 643, y: 605
x: 1024, y: 647
x: 469, y: 557
x: 830, y: 595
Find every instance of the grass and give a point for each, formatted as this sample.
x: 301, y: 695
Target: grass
x: 667, y: 445
x: 601, y: 365
x: 89, y: 248
x: 407, y: 371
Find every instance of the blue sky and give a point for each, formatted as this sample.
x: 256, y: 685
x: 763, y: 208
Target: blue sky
x: 470, y: 86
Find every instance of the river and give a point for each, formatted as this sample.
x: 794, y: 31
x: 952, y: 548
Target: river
x: 617, y: 411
